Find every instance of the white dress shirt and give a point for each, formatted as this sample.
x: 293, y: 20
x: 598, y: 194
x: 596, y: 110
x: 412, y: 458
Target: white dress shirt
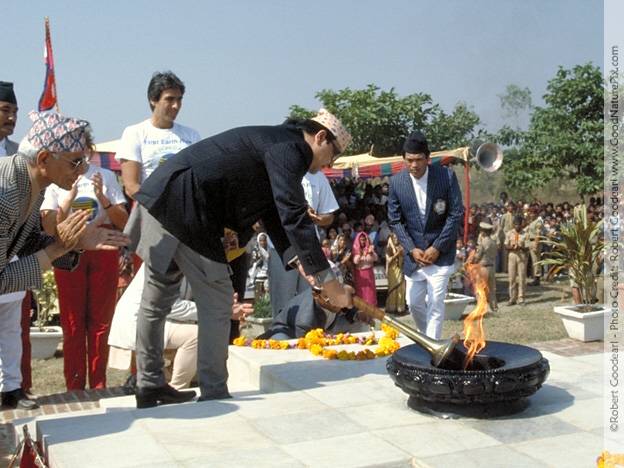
x: 420, y: 187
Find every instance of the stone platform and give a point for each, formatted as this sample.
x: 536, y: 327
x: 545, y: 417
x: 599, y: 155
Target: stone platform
x: 290, y: 408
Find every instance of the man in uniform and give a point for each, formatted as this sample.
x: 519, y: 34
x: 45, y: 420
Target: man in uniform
x: 506, y: 225
x: 515, y: 243
x: 485, y: 255
x: 535, y: 231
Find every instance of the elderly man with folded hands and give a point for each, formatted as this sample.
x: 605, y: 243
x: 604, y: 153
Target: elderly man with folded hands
x: 55, y: 150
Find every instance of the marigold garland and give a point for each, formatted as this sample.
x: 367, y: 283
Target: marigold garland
x: 316, y: 341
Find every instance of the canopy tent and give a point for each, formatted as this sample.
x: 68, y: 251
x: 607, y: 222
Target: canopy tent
x: 365, y: 165
x: 104, y: 155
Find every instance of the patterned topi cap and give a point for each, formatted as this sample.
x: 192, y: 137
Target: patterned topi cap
x: 54, y: 132
x: 331, y: 122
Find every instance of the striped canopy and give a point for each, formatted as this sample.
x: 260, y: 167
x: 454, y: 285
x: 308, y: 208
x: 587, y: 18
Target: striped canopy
x: 366, y: 166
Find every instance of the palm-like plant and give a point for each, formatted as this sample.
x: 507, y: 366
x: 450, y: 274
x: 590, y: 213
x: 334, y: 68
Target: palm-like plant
x: 262, y: 307
x: 46, y: 300
x: 578, y: 249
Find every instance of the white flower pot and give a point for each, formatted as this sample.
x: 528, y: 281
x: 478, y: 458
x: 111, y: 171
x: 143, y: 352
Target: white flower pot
x: 582, y: 326
x: 255, y: 326
x: 456, y: 306
x: 44, y: 342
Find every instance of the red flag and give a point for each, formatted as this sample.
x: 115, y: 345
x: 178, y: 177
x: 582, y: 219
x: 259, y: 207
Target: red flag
x: 48, y: 98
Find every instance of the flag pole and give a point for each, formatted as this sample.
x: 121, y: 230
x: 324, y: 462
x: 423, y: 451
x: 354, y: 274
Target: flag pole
x: 48, y: 99
x: 49, y: 41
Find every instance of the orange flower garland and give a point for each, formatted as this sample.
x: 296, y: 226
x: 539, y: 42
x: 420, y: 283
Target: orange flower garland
x: 316, y: 341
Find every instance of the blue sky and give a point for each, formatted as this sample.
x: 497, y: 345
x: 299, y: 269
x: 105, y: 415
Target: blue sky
x: 245, y: 62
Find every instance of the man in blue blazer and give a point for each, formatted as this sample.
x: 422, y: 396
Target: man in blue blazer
x: 425, y: 210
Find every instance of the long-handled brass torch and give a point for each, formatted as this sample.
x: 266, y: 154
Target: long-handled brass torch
x: 440, y: 350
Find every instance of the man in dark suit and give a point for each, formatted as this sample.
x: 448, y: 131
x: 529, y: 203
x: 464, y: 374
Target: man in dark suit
x: 425, y: 210
x: 53, y: 151
x: 8, y: 118
x: 230, y: 180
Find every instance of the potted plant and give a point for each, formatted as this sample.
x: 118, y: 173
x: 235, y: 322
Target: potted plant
x: 261, y: 319
x: 455, y: 305
x: 45, y: 337
x: 578, y: 248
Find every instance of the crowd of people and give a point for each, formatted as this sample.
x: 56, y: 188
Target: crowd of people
x: 186, y: 272
x: 362, y: 219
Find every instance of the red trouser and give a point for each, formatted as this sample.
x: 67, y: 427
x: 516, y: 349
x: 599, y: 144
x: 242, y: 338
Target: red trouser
x: 26, y: 370
x: 87, y: 299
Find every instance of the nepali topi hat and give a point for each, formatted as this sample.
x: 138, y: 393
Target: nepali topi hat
x: 335, y: 126
x: 54, y: 132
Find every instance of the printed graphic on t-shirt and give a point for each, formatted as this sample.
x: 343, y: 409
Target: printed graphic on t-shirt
x: 86, y: 203
x: 156, y: 151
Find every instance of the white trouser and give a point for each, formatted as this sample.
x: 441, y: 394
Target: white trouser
x: 10, y: 345
x: 425, y: 291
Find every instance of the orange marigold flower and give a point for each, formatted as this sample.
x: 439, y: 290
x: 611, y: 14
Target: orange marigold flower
x: 343, y: 355
x: 240, y: 341
x: 389, y: 331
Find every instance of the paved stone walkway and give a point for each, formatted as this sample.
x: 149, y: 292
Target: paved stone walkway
x: 50, y: 404
x: 91, y: 399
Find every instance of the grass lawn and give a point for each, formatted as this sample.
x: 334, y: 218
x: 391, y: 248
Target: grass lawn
x: 530, y: 323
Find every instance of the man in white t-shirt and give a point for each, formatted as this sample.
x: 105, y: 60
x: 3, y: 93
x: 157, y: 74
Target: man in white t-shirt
x: 144, y: 146
x: 284, y: 285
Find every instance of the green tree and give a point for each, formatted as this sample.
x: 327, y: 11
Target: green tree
x: 515, y: 102
x: 382, y: 120
x: 565, y: 136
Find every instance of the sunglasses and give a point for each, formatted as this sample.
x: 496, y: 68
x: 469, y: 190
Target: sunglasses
x: 74, y: 163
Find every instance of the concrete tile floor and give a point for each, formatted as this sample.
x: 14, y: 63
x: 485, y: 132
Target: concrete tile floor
x: 333, y: 414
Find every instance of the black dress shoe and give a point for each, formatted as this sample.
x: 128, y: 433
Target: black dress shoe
x: 215, y: 396
x: 17, y: 399
x: 150, y: 397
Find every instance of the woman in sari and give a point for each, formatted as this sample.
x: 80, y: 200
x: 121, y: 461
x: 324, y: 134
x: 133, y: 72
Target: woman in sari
x: 341, y: 256
x: 395, y: 303
x: 364, y: 258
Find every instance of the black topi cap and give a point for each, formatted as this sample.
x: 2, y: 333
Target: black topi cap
x: 6, y: 92
x: 416, y: 143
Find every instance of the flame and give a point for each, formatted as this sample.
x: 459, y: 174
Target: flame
x: 474, y: 335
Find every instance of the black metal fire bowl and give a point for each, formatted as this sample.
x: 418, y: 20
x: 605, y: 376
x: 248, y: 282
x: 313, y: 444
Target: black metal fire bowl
x: 497, y: 383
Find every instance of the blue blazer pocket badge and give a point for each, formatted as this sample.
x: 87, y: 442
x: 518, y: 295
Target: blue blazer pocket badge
x: 439, y: 206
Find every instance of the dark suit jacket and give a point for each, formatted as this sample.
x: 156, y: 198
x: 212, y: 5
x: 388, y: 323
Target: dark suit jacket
x: 443, y: 215
x: 300, y: 315
x: 20, y: 232
x: 232, y: 180
x: 11, y: 147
